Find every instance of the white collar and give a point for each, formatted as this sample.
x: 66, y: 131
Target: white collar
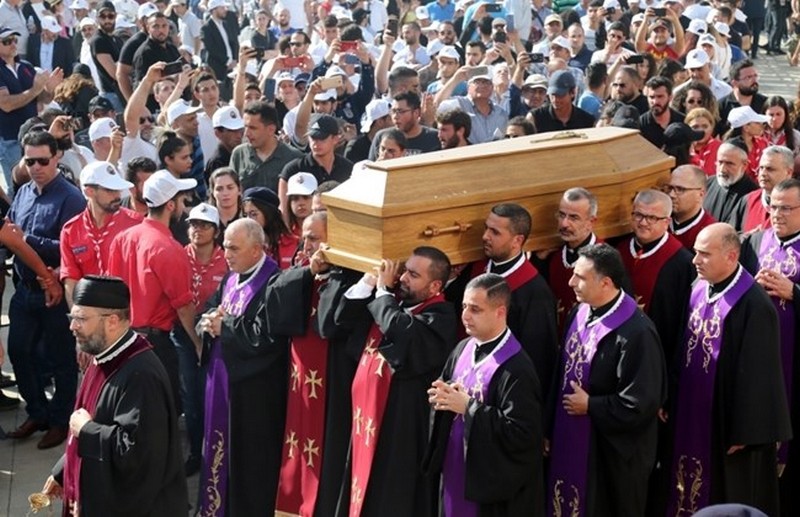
x: 567, y: 265
x: 689, y: 226
x: 612, y: 310
x: 652, y: 251
x: 490, y: 354
x: 105, y: 356
x: 251, y: 271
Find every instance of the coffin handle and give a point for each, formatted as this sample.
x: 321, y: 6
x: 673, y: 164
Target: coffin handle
x: 432, y: 231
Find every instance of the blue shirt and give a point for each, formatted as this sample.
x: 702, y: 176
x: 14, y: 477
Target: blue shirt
x: 198, y: 169
x: 11, y: 121
x: 485, y: 128
x: 440, y: 13
x: 41, y: 216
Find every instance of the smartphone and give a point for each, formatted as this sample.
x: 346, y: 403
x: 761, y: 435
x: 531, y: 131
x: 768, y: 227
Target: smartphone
x: 351, y: 59
x: 292, y: 62
x: 500, y: 37
x: 635, y: 59
x: 493, y: 8
x: 332, y: 82
x: 120, y: 120
x: 660, y: 11
x: 478, y: 70
x: 260, y: 53
x: 391, y: 26
x: 348, y: 46
x: 536, y: 57
x: 269, y: 89
x: 510, y: 23
x: 173, y: 68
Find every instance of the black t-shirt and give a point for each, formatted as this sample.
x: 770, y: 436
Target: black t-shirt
x: 149, y: 53
x: 130, y: 47
x: 652, y: 130
x: 545, y: 119
x: 342, y: 167
x: 425, y: 142
x: 103, y: 43
x: 358, y: 149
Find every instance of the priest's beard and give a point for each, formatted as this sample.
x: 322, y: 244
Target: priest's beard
x: 94, y: 343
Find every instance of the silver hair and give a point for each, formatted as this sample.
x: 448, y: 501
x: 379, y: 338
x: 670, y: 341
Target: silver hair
x: 577, y: 194
x: 252, y: 230
x: 652, y: 197
x: 784, y: 152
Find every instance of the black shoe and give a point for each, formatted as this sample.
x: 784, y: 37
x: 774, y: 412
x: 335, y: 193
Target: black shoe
x: 6, y: 381
x: 192, y: 466
x: 8, y: 403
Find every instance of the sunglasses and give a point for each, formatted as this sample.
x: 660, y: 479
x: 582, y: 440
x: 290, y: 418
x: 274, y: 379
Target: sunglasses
x: 41, y: 161
x: 10, y: 41
x: 150, y: 119
x: 107, y: 16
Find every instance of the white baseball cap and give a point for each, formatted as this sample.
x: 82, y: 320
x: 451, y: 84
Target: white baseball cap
x: 213, y: 4
x: 697, y: 26
x: 422, y: 12
x: 163, y: 186
x: 50, y: 24
x: 723, y: 29
x: 334, y: 71
x: 434, y: 47
x: 180, y: 108
x: 204, y: 212
x: 327, y: 95
x: 707, y: 39
x: 87, y: 22
x: 560, y: 41
x: 227, y: 117
x: 611, y: 4
x: 146, y: 9
x: 696, y: 58
x: 377, y: 108
x: 104, y: 174
x: 637, y: 18
x: 79, y: 4
x: 101, y: 128
x: 123, y: 23
x: 284, y: 76
x: 449, y: 52
x: 742, y: 115
x: 301, y: 184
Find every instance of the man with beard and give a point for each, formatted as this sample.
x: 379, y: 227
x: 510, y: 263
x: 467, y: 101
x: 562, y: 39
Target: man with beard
x: 86, y: 238
x: 106, y: 48
x: 157, y: 269
x: 752, y: 213
x: 454, y: 127
x: 137, y: 172
x: 744, y: 79
x: 730, y: 185
x: 139, y: 120
x: 626, y: 88
x: 245, y: 386
x: 687, y: 190
x: 157, y: 47
x: 301, y: 303
x: 771, y: 255
x: 653, y: 122
x: 406, y: 111
x: 488, y: 118
x: 402, y: 340
x: 124, y: 453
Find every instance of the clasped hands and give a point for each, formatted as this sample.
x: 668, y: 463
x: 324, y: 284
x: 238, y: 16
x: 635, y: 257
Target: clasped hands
x: 211, y: 322
x: 448, y: 397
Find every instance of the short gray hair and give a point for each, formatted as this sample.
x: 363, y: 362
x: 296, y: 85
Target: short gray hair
x: 652, y: 197
x: 579, y: 193
x: 783, y: 152
x: 252, y: 230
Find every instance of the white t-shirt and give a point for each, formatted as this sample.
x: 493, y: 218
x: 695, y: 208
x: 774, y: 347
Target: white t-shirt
x: 135, y: 147
x: 208, y: 140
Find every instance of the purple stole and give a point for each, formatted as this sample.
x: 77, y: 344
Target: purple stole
x: 690, y: 481
x: 570, y: 444
x: 214, y: 475
x: 475, y: 378
x: 772, y: 255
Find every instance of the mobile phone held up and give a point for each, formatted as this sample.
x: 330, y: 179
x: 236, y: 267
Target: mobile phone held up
x: 173, y: 68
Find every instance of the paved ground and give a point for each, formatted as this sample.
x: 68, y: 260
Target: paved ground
x: 23, y: 468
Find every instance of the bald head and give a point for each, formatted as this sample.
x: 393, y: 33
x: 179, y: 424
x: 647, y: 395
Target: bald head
x: 716, y: 252
x: 687, y: 188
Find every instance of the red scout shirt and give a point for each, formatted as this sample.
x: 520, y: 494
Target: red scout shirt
x: 157, y: 272
x: 85, y: 247
x: 206, y: 277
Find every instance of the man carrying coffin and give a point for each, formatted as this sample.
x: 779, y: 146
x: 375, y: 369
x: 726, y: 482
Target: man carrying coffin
x: 403, y: 340
x: 245, y: 386
x: 773, y: 257
x: 730, y: 407
x: 487, y: 433
x: 611, y: 382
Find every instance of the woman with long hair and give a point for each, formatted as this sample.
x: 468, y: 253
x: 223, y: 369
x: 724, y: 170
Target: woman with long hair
x: 225, y: 193
x: 696, y: 95
x: 747, y: 128
x: 261, y: 205
x: 779, y: 130
x: 74, y: 94
x: 703, y: 153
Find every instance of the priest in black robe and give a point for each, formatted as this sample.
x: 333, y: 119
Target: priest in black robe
x: 486, y: 438
x: 245, y: 386
x: 124, y: 454
x: 731, y: 352
x: 610, y: 383
x: 772, y: 256
x: 401, y: 342
x: 730, y: 185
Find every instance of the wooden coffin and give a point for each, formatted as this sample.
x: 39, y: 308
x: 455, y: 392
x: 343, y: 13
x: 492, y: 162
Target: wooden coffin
x: 442, y: 199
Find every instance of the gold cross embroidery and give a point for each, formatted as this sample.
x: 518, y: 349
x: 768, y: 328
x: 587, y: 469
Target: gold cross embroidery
x: 358, y: 420
x: 314, y: 381
x: 369, y: 431
x: 381, y: 364
x: 368, y: 351
x: 295, y: 376
x: 291, y: 441
x: 311, y: 451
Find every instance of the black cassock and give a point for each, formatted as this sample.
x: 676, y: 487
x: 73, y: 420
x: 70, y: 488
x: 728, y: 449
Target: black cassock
x: 288, y: 305
x: 416, y: 348
x: 627, y: 386
x: 504, y: 464
x: 722, y: 202
x: 258, y: 368
x: 132, y: 461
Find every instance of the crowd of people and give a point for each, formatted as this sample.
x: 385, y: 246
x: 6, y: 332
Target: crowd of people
x: 165, y: 163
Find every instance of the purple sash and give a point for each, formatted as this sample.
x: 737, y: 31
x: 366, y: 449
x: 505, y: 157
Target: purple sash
x: 570, y: 443
x: 773, y: 256
x: 690, y: 481
x: 214, y: 475
x: 476, y: 379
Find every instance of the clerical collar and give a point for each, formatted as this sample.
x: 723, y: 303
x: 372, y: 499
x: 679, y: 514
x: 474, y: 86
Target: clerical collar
x: 764, y: 199
x: 483, y: 349
x: 788, y: 241
x: 505, y: 268
x: 649, y: 249
x: 715, y: 291
x: 245, y: 277
x: 117, y: 348
x: 681, y: 228
x: 570, y: 255
x: 599, y: 312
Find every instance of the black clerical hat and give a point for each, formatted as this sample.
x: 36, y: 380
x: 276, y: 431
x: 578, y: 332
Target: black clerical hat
x: 108, y: 292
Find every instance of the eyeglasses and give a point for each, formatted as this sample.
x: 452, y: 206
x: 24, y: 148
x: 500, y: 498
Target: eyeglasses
x: 679, y: 190
x: 10, y: 41
x: 782, y: 209
x: 150, y: 119
x: 651, y: 219
x: 396, y: 111
x: 80, y: 320
x: 41, y: 161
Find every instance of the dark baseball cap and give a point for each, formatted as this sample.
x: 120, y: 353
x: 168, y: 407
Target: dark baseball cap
x: 561, y: 83
x: 100, y: 103
x: 106, y: 6
x: 323, y: 127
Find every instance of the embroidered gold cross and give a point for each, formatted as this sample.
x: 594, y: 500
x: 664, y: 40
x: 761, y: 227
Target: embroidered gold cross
x: 381, y: 363
x: 295, y: 376
x: 369, y: 431
x: 292, y: 442
x: 311, y: 451
x: 314, y: 381
x: 358, y: 420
